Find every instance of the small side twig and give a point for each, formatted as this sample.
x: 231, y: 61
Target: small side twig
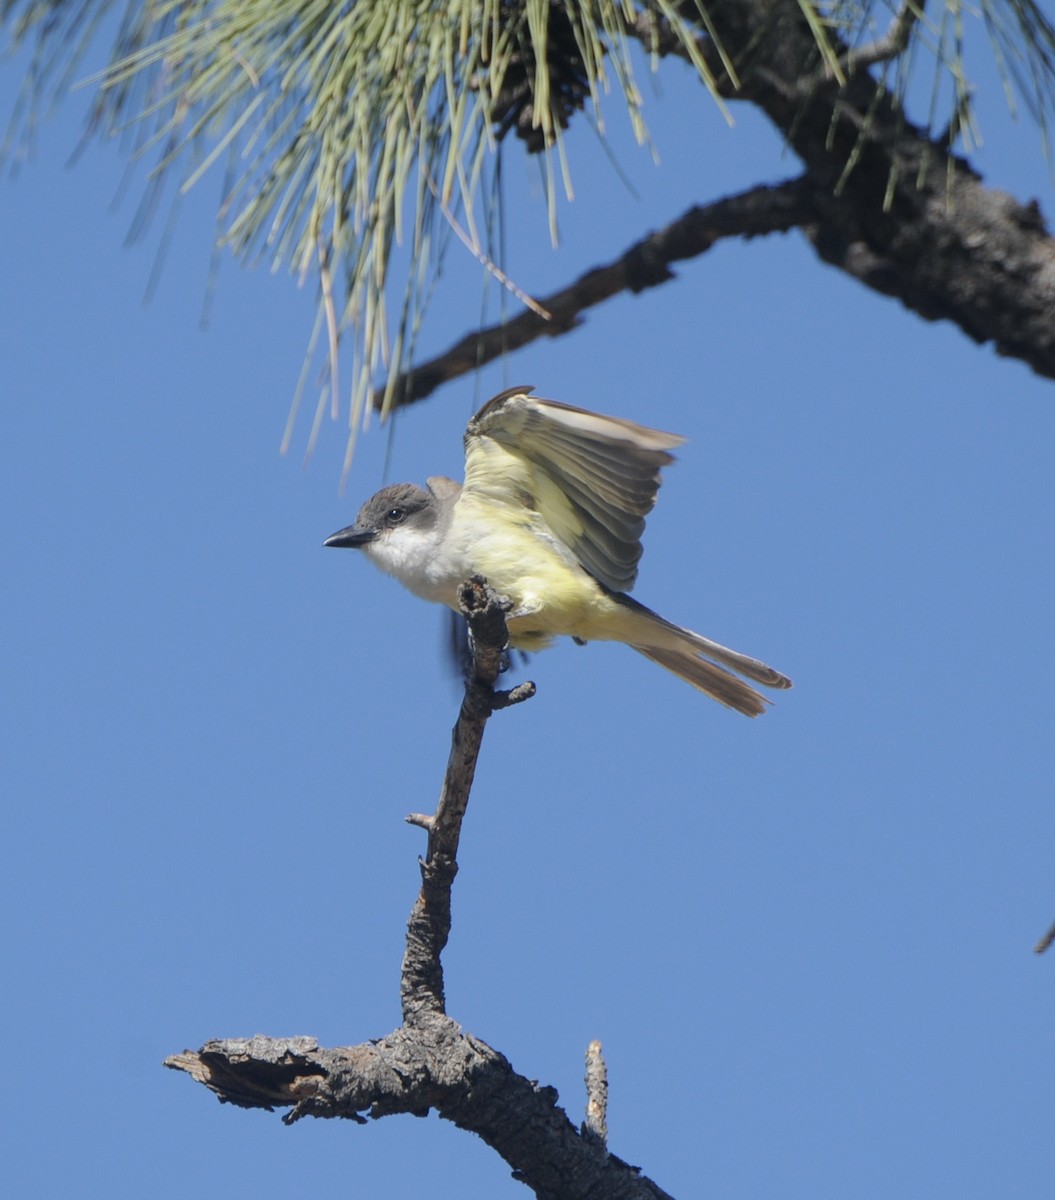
x: 517, y: 695
x: 595, y: 1127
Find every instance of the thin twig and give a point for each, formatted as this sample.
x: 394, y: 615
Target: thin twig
x: 595, y: 1126
x: 421, y: 981
x: 645, y: 264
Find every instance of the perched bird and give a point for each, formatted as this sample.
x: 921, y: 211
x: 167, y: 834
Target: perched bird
x: 551, y: 513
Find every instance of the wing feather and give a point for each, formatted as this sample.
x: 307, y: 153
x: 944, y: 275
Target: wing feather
x: 636, y: 492
x: 613, y: 535
x: 591, y: 478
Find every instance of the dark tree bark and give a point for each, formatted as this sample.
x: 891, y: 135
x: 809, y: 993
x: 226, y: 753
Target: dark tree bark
x: 879, y: 199
x: 429, y: 1062
x: 893, y: 207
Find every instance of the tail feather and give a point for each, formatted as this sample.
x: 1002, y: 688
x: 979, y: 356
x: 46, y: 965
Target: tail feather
x: 705, y: 664
x: 716, y: 681
x: 751, y: 667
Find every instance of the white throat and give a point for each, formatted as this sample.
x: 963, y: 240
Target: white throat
x: 414, y: 557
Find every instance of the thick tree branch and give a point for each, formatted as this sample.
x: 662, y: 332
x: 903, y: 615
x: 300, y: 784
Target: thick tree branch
x: 894, y: 207
x: 432, y: 1065
x: 645, y: 264
x: 879, y: 199
x: 429, y: 1062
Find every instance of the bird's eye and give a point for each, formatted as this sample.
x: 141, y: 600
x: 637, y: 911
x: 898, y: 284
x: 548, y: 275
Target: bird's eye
x: 396, y: 516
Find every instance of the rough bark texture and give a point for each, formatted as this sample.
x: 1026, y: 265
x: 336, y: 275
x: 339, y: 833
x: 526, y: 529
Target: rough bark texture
x: 878, y: 199
x: 429, y: 1062
x: 907, y: 218
x: 433, y: 1064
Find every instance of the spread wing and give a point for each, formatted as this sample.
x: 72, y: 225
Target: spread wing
x: 592, y: 479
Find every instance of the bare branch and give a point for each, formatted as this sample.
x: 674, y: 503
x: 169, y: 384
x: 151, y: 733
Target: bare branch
x: 433, y: 1065
x: 645, y: 264
x: 429, y: 1062
x: 596, y: 1123
x: 421, y: 986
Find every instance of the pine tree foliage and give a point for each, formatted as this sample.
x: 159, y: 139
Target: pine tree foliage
x: 342, y: 129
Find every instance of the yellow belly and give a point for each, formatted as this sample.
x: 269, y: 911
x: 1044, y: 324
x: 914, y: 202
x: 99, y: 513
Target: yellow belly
x: 551, y: 595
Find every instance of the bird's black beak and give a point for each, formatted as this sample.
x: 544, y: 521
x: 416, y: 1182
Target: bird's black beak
x: 351, y: 537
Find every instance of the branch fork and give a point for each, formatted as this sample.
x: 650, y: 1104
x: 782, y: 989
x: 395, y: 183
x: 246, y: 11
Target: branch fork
x: 430, y: 1062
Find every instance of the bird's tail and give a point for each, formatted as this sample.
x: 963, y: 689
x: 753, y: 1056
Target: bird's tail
x: 699, y: 661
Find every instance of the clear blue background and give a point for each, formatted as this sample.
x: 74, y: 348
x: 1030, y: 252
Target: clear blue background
x: 804, y: 941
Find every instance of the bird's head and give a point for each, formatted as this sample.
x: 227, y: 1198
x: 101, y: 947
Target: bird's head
x: 397, y: 528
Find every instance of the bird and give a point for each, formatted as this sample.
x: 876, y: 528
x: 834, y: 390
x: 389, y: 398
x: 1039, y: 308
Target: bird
x: 551, y: 513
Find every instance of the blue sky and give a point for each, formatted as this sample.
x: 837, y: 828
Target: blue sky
x: 804, y: 941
